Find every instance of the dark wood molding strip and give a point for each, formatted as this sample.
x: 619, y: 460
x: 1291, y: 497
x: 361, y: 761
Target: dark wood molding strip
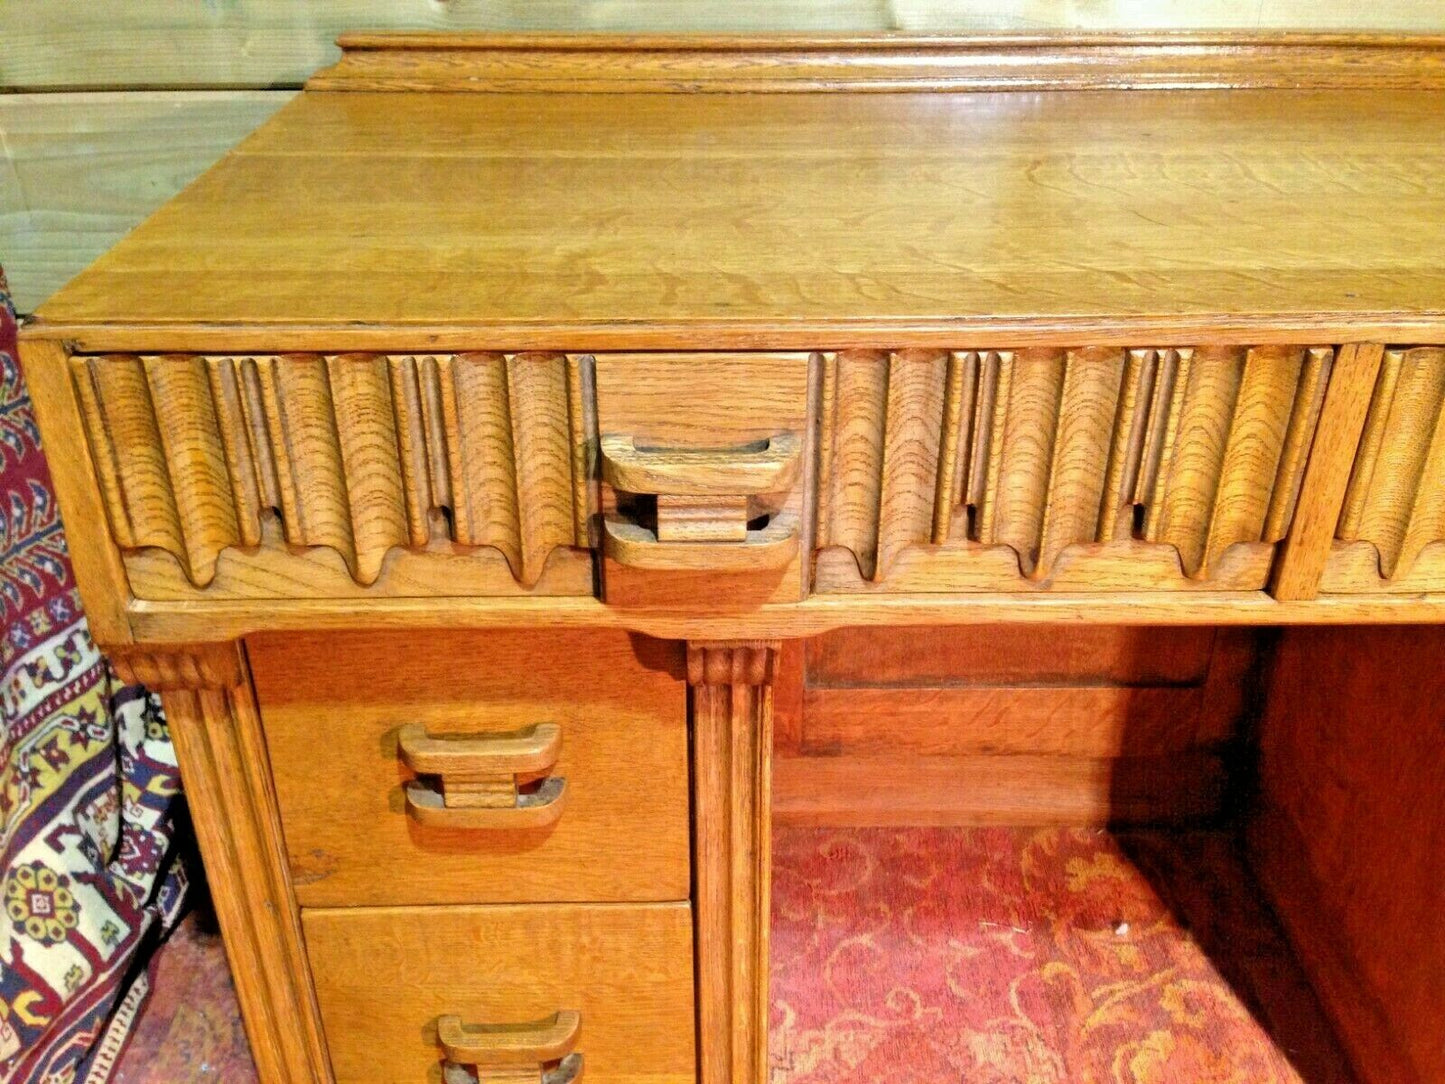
x: 635, y: 64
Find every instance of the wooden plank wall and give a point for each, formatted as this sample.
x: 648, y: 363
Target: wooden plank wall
x: 106, y: 110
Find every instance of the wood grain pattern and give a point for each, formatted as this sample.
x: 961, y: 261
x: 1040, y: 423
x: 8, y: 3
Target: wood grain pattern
x: 217, y: 733
x: 67, y: 43
x: 660, y: 64
x: 1197, y: 450
x: 474, y: 232
x: 732, y: 713
x: 1098, y: 721
x: 1394, y: 504
x: 1101, y: 724
x: 358, y: 454
x: 677, y: 424
x: 922, y: 656
x: 79, y: 170
x: 80, y: 490
x: 1306, y: 547
x: 621, y: 705
x: 386, y: 975
x: 388, y: 408
x: 1348, y: 838
x: 890, y: 790
x: 186, y: 622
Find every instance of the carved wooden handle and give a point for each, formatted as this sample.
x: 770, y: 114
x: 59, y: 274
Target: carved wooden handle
x: 635, y: 546
x: 685, y: 472
x: 474, y: 782
x: 513, y: 1053
x: 702, y: 506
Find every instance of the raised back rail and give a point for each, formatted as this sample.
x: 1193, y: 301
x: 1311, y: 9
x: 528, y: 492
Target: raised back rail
x: 608, y: 63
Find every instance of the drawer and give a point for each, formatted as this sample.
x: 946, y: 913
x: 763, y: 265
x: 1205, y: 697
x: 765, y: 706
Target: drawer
x: 360, y: 824
x: 386, y: 980
x: 704, y: 464
x: 349, y: 476
x: 1391, y: 533
x: 1096, y: 469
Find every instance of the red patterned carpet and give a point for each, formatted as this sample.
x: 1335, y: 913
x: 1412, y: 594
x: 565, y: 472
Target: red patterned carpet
x: 1000, y: 956
x: 990, y: 956
x: 191, y: 1030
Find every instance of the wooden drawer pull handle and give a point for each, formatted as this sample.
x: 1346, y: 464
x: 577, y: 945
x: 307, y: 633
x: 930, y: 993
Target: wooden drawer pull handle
x: 685, y: 472
x: 703, y: 506
x: 512, y: 1053
x: 476, y: 782
x: 635, y: 546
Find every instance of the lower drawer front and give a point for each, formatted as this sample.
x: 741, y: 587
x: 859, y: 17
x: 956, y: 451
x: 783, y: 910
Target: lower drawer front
x: 334, y: 706
x: 384, y: 977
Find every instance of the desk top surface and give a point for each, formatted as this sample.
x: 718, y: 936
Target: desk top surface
x: 750, y: 212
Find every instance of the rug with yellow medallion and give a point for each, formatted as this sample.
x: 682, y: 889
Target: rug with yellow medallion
x: 87, y: 782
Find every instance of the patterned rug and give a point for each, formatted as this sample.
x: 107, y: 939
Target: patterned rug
x: 997, y: 956
x: 1001, y: 956
x: 191, y: 1030
x: 87, y: 781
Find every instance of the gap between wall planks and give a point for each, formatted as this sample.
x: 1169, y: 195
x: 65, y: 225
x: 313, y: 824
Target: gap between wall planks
x: 81, y: 169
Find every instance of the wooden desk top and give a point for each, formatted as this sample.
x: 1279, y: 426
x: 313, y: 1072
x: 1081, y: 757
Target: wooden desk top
x: 583, y: 220
x: 397, y: 324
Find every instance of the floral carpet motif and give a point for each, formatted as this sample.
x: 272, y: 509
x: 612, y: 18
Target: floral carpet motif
x: 87, y: 780
x: 1000, y: 956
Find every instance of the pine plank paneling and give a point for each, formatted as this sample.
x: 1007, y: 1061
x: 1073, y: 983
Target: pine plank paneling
x: 1167, y: 15
x: 274, y: 43
x: 82, y: 169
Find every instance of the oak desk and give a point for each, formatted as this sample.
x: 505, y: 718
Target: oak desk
x: 467, y: 453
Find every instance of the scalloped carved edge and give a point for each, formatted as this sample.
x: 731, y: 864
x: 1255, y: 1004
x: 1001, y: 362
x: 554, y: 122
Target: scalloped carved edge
x: 1395, y: 500
x: 357, y: 453
x: 389, y: 458
x: 879, y: 62
x: 1043, y: 450
x: 1356, y: 568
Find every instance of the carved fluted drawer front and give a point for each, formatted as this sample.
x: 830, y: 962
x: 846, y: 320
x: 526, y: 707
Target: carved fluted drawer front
x: 1082, y: 470
x: 351, y: 475
x: 704, y: 476
x: 408, y: 994
x: 732, y: 477
x: 1391, y: 533
x: 478, y: 767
